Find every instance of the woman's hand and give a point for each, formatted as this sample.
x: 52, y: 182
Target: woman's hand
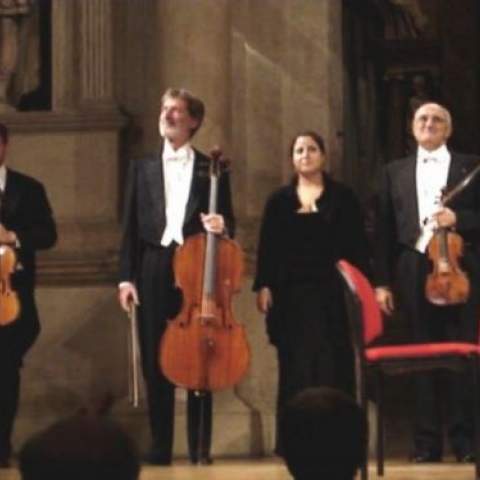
x: 213, y: 222
x: 264, y: 300
x: 385, y: 301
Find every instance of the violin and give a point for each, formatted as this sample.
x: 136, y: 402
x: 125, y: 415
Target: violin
x: 447, y: 284
x: 9, y: 302
x: 203, y: 347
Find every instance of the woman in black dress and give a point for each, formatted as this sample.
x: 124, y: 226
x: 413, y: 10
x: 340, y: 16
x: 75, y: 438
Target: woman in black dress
x: 307, y: 226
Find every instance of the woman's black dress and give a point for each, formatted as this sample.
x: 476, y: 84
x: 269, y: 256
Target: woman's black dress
x: 296, y: 260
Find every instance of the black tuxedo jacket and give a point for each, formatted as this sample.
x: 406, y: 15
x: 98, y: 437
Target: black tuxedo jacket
x: 145, y: 217
x: 25, y: 210
x: 397, y: 222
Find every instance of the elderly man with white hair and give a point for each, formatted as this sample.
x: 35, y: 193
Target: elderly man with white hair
x: 409, y: 209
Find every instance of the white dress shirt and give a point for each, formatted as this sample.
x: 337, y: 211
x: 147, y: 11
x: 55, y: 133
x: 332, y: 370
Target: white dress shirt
x: 177, y: 174
x: 3, y: 177
x: 432, y: 174
x: 3, y: 184
x: 177, y: 171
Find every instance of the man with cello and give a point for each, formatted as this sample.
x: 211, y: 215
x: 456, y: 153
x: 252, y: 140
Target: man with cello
x: 409, y: 214
x: 166, y: 197
x: 26, y: 225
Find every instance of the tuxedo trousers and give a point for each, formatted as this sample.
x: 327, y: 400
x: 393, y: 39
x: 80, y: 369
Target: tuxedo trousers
x: 441, y: 397
x: 159, y: 301
x: 15, y: 340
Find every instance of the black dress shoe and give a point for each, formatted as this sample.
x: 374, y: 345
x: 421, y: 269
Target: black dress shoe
x: 202, y: 461
x: 465, y: 457
x: 426, y: 457
x: 156, y: 458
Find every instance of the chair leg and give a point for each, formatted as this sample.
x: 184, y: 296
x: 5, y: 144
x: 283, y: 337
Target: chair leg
x: 362, y: 401
x: 380, y: 421
x: 476, y: 416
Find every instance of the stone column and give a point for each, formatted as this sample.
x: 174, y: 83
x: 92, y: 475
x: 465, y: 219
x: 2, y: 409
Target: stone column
x: 63, y: 84
x: 82, y: 57
x: 95, y: 51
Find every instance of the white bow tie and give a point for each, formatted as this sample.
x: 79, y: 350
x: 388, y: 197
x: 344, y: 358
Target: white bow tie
x: 435, y: 160
x: 177, y: 157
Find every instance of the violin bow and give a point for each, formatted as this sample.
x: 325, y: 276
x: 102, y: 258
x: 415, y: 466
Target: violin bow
x: 451, y: 194
x: 460, y: 186
x: 134, y: 358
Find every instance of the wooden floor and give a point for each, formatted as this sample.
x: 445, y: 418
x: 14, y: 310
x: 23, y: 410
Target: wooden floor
x: 272, y: 469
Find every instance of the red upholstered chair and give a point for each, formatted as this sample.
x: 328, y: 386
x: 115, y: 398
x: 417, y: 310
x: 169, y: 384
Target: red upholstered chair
x: 367, y: 325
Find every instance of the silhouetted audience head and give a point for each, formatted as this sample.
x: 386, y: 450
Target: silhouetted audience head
x: 80, y: 448
x: 325, y: 435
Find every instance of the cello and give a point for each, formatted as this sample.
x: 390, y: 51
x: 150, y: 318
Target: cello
x: 203, y: 348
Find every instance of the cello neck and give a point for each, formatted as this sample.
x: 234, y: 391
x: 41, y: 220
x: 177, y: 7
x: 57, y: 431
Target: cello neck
x: 209, y: 266
x: 212, y: 201
x: 211, y: 243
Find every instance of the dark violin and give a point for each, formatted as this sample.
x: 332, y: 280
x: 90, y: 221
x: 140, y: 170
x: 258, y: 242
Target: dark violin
x: 204, y: 348
x: 447, y: 284
x: 9, y: 302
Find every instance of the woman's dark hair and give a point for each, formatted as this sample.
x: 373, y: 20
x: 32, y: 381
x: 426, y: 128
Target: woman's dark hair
x: 318, y: 139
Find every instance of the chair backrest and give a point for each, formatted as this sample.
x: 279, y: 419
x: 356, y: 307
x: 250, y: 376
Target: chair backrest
x: 361, y: 289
